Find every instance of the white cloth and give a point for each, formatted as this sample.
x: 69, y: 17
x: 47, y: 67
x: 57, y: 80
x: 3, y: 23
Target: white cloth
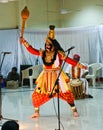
x: 85, y: 82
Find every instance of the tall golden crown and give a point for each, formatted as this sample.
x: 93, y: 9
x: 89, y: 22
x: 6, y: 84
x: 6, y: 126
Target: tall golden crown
x: 51, y: 33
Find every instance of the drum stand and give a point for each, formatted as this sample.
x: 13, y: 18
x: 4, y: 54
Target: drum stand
x: 1, y: 117
x: 57, y: 90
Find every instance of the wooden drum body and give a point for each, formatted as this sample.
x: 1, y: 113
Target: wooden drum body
x: 77, y: 88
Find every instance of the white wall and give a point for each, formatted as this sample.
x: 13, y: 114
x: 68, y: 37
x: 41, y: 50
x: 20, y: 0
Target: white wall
x: 90, y: 13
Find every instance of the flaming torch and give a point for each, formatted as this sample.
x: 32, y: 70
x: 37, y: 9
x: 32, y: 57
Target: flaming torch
x: 24, y: 15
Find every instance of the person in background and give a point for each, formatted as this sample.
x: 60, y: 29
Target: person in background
x: 13, y: 79
x: 2, y: 81
x: 77, y: 73
x: 52, y: 57
x: 10, y: 125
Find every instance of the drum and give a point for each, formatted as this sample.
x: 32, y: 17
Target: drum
x: 77, y: 88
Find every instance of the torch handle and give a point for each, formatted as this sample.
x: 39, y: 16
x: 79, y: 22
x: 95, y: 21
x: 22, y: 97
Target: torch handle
x: 23, y: 27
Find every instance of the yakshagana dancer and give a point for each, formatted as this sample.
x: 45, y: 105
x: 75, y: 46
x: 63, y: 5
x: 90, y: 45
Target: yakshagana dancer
x: 52, y: 57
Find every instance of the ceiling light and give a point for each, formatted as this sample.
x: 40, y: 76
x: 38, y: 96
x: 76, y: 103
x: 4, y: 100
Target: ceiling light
x: 63, y: 11
x: 3, y: 1
x: 6, y: 1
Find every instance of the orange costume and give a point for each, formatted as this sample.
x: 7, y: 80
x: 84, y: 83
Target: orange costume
x: 52, y: 61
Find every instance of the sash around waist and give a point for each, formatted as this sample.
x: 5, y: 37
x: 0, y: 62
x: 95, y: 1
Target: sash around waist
x: 51, y: 69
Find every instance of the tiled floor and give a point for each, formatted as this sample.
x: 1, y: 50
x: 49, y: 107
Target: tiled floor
x: 17, y: 105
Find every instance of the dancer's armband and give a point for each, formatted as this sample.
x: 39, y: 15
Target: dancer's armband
x: 26, y: 44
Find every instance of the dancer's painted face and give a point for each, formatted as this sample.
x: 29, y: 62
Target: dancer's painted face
x: 48, y: 46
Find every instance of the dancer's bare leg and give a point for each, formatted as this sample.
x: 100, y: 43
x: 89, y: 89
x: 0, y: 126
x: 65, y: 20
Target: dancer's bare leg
x: 36, y: 114
x: 75, y: 113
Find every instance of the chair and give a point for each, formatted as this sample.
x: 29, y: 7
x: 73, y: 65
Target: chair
x: 34, y: 70
x: 94, y: 70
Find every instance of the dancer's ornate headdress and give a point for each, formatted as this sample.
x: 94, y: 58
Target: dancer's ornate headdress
x: 51, y: 34
x: 51, y: 38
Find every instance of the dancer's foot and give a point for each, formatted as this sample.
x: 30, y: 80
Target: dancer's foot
x: 35, y: 115
x: 75, y: 114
